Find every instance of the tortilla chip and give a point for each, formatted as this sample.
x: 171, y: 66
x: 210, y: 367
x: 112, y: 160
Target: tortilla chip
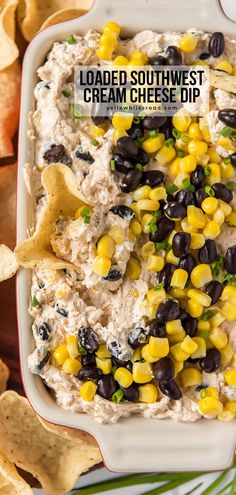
x: 63, y: 199
x: 9, y: 51
x: 56, y: 462
x: 69, y: 433
x: 8, y: 263
x: 33, y: 14
x: 9, y: 107
x: 4, y: 376
x: 11, y: 482
x: 222, y: 80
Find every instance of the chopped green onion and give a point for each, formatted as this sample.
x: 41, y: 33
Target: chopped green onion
x: 157, y: 214
x: 113, y: 369
x: 187, y: 185
x: 71, y: 39
x: 230, y: 279
x: 113, y: 165
x: 95, y: 142
x: 171, y: 189
x: 227, y: 160
x: 136, y: 120
x: 82, y: 350
x: 166, y: 246
x: 204, y: 334
x: 207, y: 171
x: 180, y: 153
x: 75, y: 110
x: 185, y: 139
x: 152, y: 225
x: 207, y: 315
x: 169, y: 143
x: 231, y: 185
x: 142, y: 115
x: 159, y: 286
x: 203, y: 393
x: 140, y: 139
x: 176, y: 134
x: 153, y: 133
x: 34, y: 302
x: 209, y: 191
x: 217, y: 265
x: 138, y: 166
x: 226, y: 131
x: 117, y: 396
x: 66, y: 93
x: 85, y: 214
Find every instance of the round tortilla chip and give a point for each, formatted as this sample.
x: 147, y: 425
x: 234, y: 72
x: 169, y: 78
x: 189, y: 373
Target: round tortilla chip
x: 11, y: 482
x: 9, y: 51
x: 10, y: 80
x: 69, y: 433
x: 32, y: 14
x: 8, y: 263
x: 4, y: 376
x: 56, y: 462
x: 62, y: 16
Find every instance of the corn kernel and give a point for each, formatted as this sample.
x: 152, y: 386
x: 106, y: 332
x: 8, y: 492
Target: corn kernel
x: 228, y: 310
x: 175, y: 167
x: 226, y: 415
x: 61, y: 354
x: 200, y: 297
x: 188, y: 163
x: 105, y: 246
x: 130, y: 235
x: 196, y: 147
x: 197, y: 241
x: 181, y: 177
x: 147, y: 355
x: 155, y: 263
x: 101, y: 265
x: 230, y: 378
x: 186, y: 227
x: 181, y: 120
x: 104, y: 364
x: 231, y: 406
x: 219, y: 217
x: 194, y: 308
x: 201, y: 349
x: 210, y: 406
x: 156, y: 296
x: 105, y: 50
x: 179, y: 293
x: 226, y: 355
x: 171, y: 258
x: 112, y: 27
x: 142, y: 372
x: 211, y: 230
x: 215, y: 175
x: 209, y: 392
x: 165, y: 155
x: 142, y: 193
x: 204, y: 128
x: 218, y: 338
x: 188, y: 345
x: 178, y: 353
x: 71, y: 366
x: 225, y: 207
x: 148, y: 204
x: 176, y: 338
x: 137, y: 355
x: 201, y: 275
x: 116, y: 233
x: 209, y: 205
x: 72, y: 345
x: 122, y: 120
x: 191, y: 377
x: 133, y: 269
x: 227, y: 171
x: 158, y: 193
x: 120, y: 60
x: 147, y: 249
x: 159, y: 347
x: 214, y: 157
x: 226, y: 143
x: 194, y: 131
x: 136, y: 227
x: 203, y: 326
x: 188, y: 43
x: 149, y: 309
x: 123, y: 377
x: 118, y: 133
x: 97, y: 130
x: 148, y: 393
x: 179, y: 278
x: 153, y: 144
x: 216, y: 320
x: 103, y: 352
x: 229, y: 294
x: 231, y: 219
x: 196, y: 217
x: 174, y: 326
x: 138, y: 57
x: 224, y: 65
x: 88, y: 391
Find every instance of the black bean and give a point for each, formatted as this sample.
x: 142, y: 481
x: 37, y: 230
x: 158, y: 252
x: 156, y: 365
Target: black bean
x: 180, y: 244
x: 122, y: 165
x: 136, y: 337
x: 88, y: 339
x: 200, y: 387
x: 167, y: 311
x: 61, y: 311
x: 157, y: 60
x: 197, y: 177
x: 228, y: 117
x: 211, y: 362
x: 44, y: 331
x: 216, y: 44
x: 131, y: 181
x: 142, y: 157
x: 174, y: 56
x: 36, y: 369
x: 190, y: 326
x: 113, y: 275
x: 157, y: 330
x: 184, y: 197
x: 164, y: 370
x: 230, y: 260
x: 183, y: 315
x: 222, y: 192
x: 171, y: 389
x: 153, y: 123
x: 233, y: 159
x: 214, y: 290
x: 120, y: 350
x: 88, y: 361
x: 135, y: 132
x: 164, y: 227
x: 167, y: 128
x: 200, y: 195
x: 106, y: 386
x: 127, y: 148
x: 57, y: 153
x: 207, y: 253
x: 165, y: 275
x: 95, y: 114
x: 131, y: 393
x: 152, y: 178
x: 90, y: 373
x: 85, y: 155
x: 187, y: 263
x: 123, y: 211
x: 124, y: 364
x: 174, y: 210
x: 204, y: 56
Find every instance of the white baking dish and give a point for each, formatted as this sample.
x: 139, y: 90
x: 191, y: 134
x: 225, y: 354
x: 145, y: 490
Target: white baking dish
x: 134, y: 444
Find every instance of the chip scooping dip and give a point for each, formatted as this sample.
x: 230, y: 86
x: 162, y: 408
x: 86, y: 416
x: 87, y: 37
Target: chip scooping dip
x: 11, y: 483
x: 9, y: 106
x: 9, y: 51
x: 8, y: 263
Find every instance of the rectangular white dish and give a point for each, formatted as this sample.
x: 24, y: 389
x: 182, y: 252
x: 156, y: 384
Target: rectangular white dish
x: 134, y: 444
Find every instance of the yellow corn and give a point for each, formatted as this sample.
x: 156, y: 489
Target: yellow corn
x: 178, y: 353
x: 138, y: 58
x: 210, y: 406
x: 175, y: 167
x: 149, y: 309
x: 178, y: 365
x: 159, y: 347
x: 196, y: 217
x: 225, y: 207
x: 118, y: 133
x: 197, y: 241
x: 201, y: 348
x: 156, y: 296
x: 203, y: 325
x: 219, y: 217
x: 228, y: 310
x: 194, y: 308
x: 181, y: 120
x: 175, y: 338
x: 122, y: 120
x: 104, y: 364
x: 148, y: 393
x: 142, y: 193
x: 188, y: 345
x: 179, y: 293
x: 174, y: 326
x: 229, y: 294
x: 105, y: 246
x: 201, y: 275
x: 204, y: 128
x: 61, y: 354
x: 136, y: 227
x: 226, y: 415
x: 88, y: 391
x: 130, y: 235
x: 186, y: 227
x: 209, y: 205
x: 216, y: 320
x: 194, y: 131
x: 72, y: 345
x: 218, y: 338
x: 211, y: 230
x: 147, y: 355
x: 226, y: 143
x: 148, y: 204
x: 179, y: 180
x: 215, y: 175
x: 188, y: 43
x: 191, y: 377
x: 153, y: 144
x: 214, y: 157
x: 200, y: 297
x: 137, y: 355
x: 120, y: 60
x: 230, y: 378
x: 101, y: 265
x: 188, y: 163
x: 142, y: 372
x: 116, y: 233
x: 147, y: 249
x: 231, y: 219
x: 112, y: 27
x: 209, y: 392
x: 106, y: 49
x: 97, y: 130
x: 227, y: 170
x: 133, y: 269
x: 123, y: 377
x: 179, y: 278
x: 146, y: 220
x: 165, y: 155
x: 71, y: 366
x: 158, y: 193
x: 231, y: 406
x: 224, y: 65
x: 226, y: 355
x: 103, y: 352
x: 196, y: 147
x: 155, y: 263
x: 171, y: 258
